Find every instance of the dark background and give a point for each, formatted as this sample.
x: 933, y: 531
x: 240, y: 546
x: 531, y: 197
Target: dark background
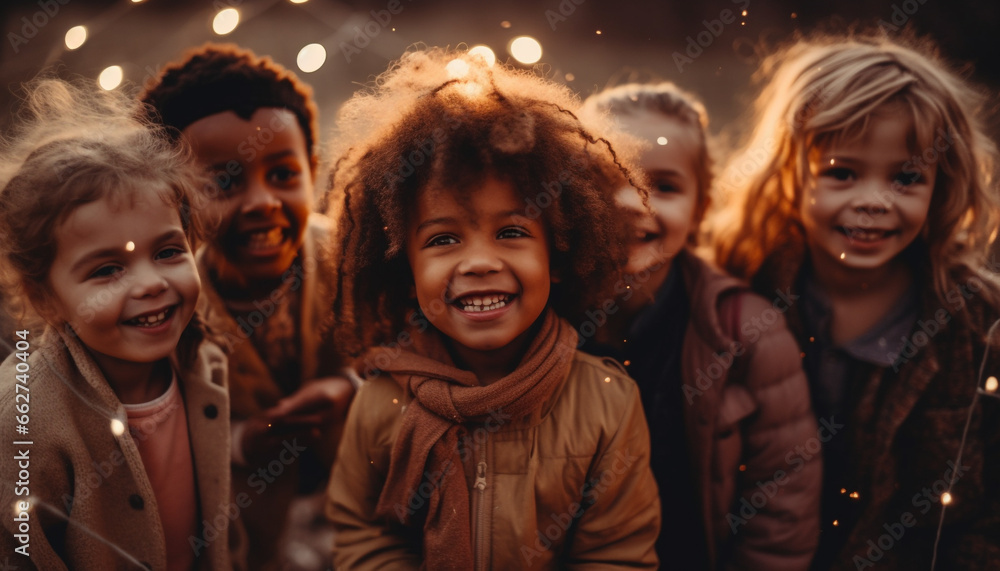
x: 636, y: 40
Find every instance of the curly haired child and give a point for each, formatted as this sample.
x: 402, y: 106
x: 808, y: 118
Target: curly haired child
x: 724, y: 402
x: 476, y: 214
x: 252, y: 124
x: 869, y: 191
x: 124, y: 399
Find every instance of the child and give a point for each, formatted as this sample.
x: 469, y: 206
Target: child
x: 122, y: 399
x: 476, y: 213
x: 868, y: 193
x: 719, y: 373
x: 252, y: 124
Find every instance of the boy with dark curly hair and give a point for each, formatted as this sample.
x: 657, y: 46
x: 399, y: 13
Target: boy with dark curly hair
x: 476, y: 212
x: 252, y: 124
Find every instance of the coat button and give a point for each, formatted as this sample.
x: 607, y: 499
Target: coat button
x: 211, y: 411
x: 135, y: 500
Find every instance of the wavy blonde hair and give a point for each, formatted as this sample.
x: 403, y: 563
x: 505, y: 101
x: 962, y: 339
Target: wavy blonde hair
x: 824, y: 90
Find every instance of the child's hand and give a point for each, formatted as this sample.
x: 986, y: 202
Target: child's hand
x: 319, y: 403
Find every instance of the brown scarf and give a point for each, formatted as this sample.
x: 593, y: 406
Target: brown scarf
x: 445, y: 397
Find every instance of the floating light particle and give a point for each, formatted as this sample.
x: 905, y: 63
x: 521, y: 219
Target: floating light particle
x: 75, y: 37
x: 117, y: 427
x: 226, y: 21
x: 991, y: 384
x: 661, y: 141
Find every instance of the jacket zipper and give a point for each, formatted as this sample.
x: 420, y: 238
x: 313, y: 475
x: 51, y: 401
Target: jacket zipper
x: 481, y: 513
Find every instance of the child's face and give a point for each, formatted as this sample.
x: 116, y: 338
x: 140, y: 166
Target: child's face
x: 481, y: 270
x: 124, y: 277
x: 864, y: 203
x: 660, y: 235
x: 263, y: 184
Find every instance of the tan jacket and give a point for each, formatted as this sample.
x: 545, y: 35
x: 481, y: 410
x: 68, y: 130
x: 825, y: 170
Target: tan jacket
x: 750, y: 425
x: 253, y: 390
x: 569, y: 487
x: 95, y: 506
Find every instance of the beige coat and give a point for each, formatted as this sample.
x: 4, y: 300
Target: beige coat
x: 94, y: 507
x: 569, y: 487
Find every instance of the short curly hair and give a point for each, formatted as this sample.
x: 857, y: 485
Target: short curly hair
x: 447, y: 119
x: 216, y: 78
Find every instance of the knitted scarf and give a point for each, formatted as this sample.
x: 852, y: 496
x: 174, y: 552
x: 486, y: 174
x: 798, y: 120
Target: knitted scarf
x: 443, y: 398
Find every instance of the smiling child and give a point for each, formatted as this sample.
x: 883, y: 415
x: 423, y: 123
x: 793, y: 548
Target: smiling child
x: 476, y: 212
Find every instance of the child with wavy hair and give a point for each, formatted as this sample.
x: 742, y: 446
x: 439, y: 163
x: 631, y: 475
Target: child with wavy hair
x: 477, y: 213
x: 868, y: 192
x: 123, y: 397
x: 677, y: 324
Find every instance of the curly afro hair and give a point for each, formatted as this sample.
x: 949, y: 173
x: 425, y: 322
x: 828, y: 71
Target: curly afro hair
x: 446, y: 119
x: 216, y: 78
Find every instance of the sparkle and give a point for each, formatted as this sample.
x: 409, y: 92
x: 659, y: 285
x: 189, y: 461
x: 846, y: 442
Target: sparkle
x: 395, y: 401
x: 843, y: 490
x: 505, y: 24
x: 812, y: 339
x: 991, y: 384
x: 843, y: 255
x: 946, y: 498
x: 832, y: 161
x: 661, y: 141
x: 743, y: 467
x: 744, y: 12
x: 836, y: 523
x: 598, y: 32
x: 855, y: 495
x: 129, y: 246
x: 117, y: 427
x: 627, y: 362
x: 607, y: 379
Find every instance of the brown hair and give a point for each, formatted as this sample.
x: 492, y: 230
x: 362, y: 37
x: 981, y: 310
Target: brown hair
x: 446, y: 119
x: 74, y: 146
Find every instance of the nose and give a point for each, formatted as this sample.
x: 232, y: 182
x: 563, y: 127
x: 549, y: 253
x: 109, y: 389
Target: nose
x: 873, y: 199
x: 147, y: 281
x: 480, y: 258
x: 260, y: 198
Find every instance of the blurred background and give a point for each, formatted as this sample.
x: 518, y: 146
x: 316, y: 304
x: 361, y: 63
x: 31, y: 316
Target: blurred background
x: 710, y: 47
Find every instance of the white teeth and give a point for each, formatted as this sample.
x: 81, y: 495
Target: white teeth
x: 483, y: 303
x: 268, y: 239
x: 151, y: 320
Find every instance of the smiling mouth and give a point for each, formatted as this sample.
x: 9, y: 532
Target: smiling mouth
x: 865, y: 234
x: 480, y: 303
x: 152, y: 319
x: 264, y: 239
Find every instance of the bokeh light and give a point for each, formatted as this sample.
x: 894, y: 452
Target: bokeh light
x: 311, y: 58
x: 226, y: 21
x: 111, y: 77
x: 75, y: 37
x: 484, y: 52
x: 526, y: 49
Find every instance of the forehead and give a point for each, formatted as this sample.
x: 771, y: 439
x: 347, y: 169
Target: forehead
x: 489, y: 198
x: 226, y: 135
x: 891, y: 125
x: 120, y: 218
x: 668, y: 142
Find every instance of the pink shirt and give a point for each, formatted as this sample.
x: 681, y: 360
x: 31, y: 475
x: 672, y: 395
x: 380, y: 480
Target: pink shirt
x: 160, y: 431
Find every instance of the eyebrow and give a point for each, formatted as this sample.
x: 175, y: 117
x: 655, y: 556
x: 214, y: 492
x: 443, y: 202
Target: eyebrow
x: 433, y: 221
x: 96, y: 255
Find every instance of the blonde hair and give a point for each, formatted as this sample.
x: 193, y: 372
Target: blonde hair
x: 671, y: 102
x: 73, y: 146
x: 823, y: 91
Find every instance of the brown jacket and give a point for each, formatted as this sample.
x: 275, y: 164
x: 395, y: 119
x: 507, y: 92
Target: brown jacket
x: 908, y: 429
x: 569, y: 487
x: 94, y: 506
x: 749, y: 424
x: 253, y: 390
